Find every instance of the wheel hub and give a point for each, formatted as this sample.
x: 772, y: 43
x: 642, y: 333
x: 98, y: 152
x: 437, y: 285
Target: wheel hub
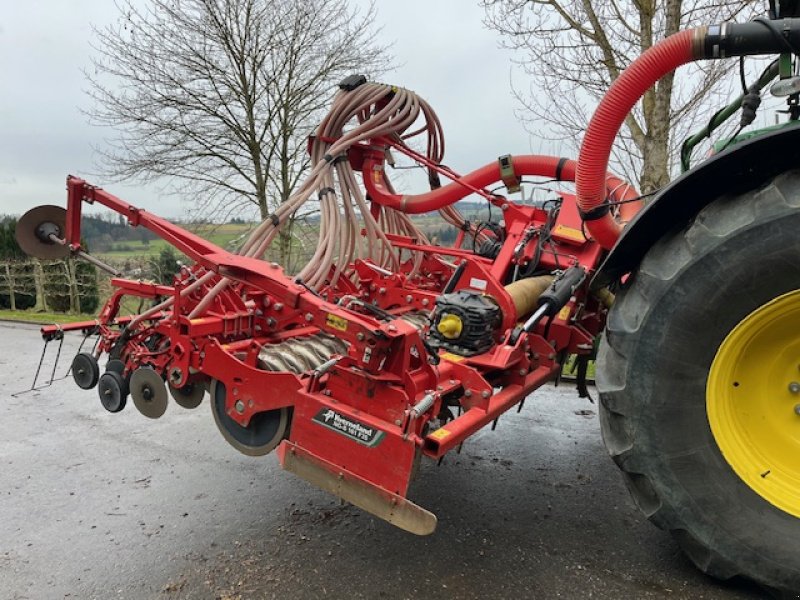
x: 753, y: 405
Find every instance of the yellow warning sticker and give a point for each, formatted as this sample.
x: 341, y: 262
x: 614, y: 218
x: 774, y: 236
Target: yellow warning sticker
x: 440, y: 434
x: 336, y: 322
x: 569, y: 233
x: 451, y: 357
x: 564, y: 313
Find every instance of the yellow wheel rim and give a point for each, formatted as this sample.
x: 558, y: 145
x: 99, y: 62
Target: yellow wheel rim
x: 753, y: 401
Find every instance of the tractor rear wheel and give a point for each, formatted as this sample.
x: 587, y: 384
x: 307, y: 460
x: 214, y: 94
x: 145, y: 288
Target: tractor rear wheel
x: 699, y: 380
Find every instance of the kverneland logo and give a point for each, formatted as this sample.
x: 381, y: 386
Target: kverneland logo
x: 356, y: 431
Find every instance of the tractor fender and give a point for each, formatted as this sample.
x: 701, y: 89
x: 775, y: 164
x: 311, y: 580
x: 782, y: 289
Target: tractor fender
x: 746, y: 166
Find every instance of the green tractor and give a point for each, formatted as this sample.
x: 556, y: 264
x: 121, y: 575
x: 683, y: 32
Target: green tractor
x: 699, y: 369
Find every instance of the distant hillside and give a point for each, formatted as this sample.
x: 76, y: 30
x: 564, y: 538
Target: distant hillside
x: 103, y: 234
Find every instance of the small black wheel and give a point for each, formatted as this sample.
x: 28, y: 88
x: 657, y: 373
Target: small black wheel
x: 115, y: 365
x: 112, y: 391
x: 85, y: 370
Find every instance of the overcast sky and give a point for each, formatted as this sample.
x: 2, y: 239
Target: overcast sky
x: 442, y: 48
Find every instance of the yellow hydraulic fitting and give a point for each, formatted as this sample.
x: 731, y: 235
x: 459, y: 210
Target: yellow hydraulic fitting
x: 450, y: 326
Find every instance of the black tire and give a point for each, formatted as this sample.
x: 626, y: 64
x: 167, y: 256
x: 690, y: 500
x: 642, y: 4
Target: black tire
x: 669, y: 319
x: 113, y: 391
x: 85, y: 371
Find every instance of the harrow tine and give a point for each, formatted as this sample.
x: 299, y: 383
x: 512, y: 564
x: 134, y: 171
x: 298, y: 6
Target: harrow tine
x: 58, y: 357
x: 36, y: 375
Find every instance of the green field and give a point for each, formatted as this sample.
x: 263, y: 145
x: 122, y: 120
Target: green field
x: 222, y: 235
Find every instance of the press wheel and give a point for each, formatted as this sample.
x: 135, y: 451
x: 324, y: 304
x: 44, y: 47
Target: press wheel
x: 85, y: 370
x: 262, y: 435
x: 112, y: 391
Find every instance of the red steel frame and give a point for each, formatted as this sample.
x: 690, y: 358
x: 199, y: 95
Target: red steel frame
x: 385, y: 372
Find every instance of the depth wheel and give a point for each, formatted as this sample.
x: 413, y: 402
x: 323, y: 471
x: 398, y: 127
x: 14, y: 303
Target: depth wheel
x: 699, y: 380
x: 113, y: 391
x: 85, y: 370
x: 264, y: 432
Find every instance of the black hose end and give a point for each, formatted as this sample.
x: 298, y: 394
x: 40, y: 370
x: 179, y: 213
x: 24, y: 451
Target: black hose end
x: 351, y: 82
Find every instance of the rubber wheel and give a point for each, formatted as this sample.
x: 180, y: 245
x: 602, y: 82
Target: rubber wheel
x: 693, y: 288
x: 264, y: 432
x: 113, y: 391
x: 85, y: 370
x: 114, y: 364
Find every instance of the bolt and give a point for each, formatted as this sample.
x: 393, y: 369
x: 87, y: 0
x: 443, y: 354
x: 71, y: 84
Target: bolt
x: 360, y: 336
x: 425, y: 302
x: 239, y: 406
x: 794, y: 387
x: 797, y: 410
x: 382, y: 291
x: 274, y: 265
x: 309, y: 317
x: 391, y: 328
x: 485, y: 394
x: 278, y: 306
x: 409, y: 298
x: 522, y: 372
x: 468, y: 393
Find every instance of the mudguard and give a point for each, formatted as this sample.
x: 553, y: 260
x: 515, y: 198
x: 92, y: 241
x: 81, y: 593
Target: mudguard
x: 746, y: 166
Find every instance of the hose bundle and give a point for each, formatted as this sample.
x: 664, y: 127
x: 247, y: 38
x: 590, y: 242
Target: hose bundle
x: 369, y: 111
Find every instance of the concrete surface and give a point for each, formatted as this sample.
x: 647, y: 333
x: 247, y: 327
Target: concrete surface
x: 95, y: 505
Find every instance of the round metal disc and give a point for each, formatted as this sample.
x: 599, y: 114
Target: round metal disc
x: 260, y: 437
x: 188, y: 396
x: 33, y: 227
x: 111, y: 389
x: 148, y: 392
x: 85, y: 370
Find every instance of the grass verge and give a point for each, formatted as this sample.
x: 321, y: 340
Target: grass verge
x: 28, y: 316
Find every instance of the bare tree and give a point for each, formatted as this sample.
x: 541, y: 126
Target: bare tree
x: 574, y: 49
x: 220, y: 96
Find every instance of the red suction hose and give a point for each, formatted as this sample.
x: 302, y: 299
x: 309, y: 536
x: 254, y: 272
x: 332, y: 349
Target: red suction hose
x: 530, y: 165
x: 622, y: 96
